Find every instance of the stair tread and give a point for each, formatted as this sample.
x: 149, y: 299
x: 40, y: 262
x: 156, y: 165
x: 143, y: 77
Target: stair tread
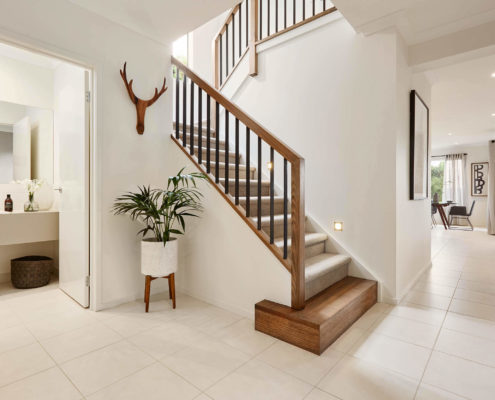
x: 309, y: 239
x: 212, y: 149
x: 325, y: 305
x: 231, y: 165
x: 323, y: 263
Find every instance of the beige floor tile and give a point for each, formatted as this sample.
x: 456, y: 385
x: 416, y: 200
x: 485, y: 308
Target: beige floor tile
x: 130, y: 325
x: 480, y: 276
x: 80, y: 341
x: 462, y: 377
x: 154, y: 382
x: 58, y: 323
x: 428, y: 392
x: 428, y: 299
x: 476, y: 310
x: 345, y: 342
x: 257, y: 380
x: 476, y: 297
x: 472, y: 326
x: 317, y: 394
x: 203, y: 396
x: 419, y: 313
x: 368, y: 318
x: 244, y: 337
x: 481, y: 287
x: 300, y: 363
x: 8, y: 318
x: 205, y: 361
x: 16, y: 336
x: 96, y: 370
x: 407, y: 330
x: 166, y: 339
x: 466, y: 346
x: 23, y: 362
x: 429, y: 287
x: 404, y: 358
x: 355, y: 379
x: 218, y: 319
x: 51, y: 384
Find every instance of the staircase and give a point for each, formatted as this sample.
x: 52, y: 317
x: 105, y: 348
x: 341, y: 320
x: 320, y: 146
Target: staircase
x: 325, y: 300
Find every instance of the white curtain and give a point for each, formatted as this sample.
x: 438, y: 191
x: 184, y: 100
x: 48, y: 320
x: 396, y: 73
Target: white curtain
x: 491, y: 188
x: 454, y: 179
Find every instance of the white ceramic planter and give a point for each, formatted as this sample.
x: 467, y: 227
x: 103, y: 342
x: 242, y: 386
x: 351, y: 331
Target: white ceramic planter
x: 158, y: 260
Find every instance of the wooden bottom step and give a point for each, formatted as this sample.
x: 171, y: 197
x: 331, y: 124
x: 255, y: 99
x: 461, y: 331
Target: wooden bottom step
x: 326, y: 316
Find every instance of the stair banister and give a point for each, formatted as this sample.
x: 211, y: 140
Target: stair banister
x: 250, y: 13
x: 294, y: 263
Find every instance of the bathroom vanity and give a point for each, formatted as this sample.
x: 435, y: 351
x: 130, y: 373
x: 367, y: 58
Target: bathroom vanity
x: 19, y: 227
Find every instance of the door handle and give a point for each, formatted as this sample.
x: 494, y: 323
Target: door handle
x: 58, y: 189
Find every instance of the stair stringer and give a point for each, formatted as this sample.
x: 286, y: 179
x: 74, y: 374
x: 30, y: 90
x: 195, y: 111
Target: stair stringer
x: 232, y: 274
x: 357, y: 267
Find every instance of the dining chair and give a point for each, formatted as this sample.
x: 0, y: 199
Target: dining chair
x: 461, y: 212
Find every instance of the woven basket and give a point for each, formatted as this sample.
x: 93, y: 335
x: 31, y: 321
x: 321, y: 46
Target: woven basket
x: 31, y: 271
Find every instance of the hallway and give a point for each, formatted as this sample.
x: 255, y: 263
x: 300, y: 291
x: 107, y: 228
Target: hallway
x: 438, y: 344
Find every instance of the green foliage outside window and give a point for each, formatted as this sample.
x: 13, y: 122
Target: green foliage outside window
x: 437, y: 168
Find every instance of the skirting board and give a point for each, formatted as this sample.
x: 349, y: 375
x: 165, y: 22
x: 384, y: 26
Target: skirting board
x: 397, y: 300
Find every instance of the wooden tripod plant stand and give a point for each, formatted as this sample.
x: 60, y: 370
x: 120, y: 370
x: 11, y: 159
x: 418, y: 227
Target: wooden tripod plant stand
x: 171, y: 289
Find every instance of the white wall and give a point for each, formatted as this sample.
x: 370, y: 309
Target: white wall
x: 347, y: 113
x: 475, y: 153
x: 413, y: 233
x: 24, y: 83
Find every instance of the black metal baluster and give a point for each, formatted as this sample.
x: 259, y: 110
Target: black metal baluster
x: 217, y: 139
x: 272, y: 190
x: 285, y: 208
x: 268, y: 18
x: 237, y: 162
x: 276, y: 16
x: 304, y: 10
x: 240, y: 30
x: 208, y: 133
x: 184, y: 110
x: 247, y: 22
x: 259, y: 183
x: 191, y: 116
x: 200, y: 125
x: 177, y: 102
x: 221, y: 69
x: 226, y: 51
x: 233, y: 41
x: 227, y: 147
x: 314, y: 7
x: 324, y: 5
x: 248, y: 176
x: 285, y: 14
x: 261, y: 19
x: 294, y: 12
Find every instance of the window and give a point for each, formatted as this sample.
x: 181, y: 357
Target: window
x: 437, y: 169
x: 180, y: 49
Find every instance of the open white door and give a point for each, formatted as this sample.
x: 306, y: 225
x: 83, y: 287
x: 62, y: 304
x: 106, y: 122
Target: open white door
x: 72, y: 124
x: 21, y: 149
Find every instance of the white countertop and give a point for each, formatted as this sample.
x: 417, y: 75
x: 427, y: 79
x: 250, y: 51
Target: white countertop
x: 24, y: 212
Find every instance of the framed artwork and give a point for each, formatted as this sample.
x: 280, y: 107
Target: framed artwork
x: 479, y: 179
x: 419, y: 141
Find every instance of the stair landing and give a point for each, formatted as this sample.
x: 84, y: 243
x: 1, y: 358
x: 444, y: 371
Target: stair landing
x: 326, y: 316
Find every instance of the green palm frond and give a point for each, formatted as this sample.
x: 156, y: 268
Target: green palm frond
x: 163, y: 211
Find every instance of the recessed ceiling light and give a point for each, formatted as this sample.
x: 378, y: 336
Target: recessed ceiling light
x: 456, y: 142
x: 450, y: 133
x: 493, y: 75
x: 493, y: 114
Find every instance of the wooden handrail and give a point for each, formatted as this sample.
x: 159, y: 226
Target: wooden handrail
x: 248, y: 121
x: 295, y: 264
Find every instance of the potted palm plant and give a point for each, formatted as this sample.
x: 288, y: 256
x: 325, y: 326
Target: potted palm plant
x: 163, y: 213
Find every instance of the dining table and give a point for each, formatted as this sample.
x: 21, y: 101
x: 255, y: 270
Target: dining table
x: 440, y: 206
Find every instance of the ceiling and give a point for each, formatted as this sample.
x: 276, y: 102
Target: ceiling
x: 462, y: 103
x: 417, y: 20
x: 162, y: 20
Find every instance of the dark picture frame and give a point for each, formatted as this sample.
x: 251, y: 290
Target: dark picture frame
x: 479, y: 179
x: 419, y: 139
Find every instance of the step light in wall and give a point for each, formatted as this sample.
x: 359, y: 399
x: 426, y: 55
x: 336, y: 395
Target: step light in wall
x: 338, y: 226
x: 269, y: 165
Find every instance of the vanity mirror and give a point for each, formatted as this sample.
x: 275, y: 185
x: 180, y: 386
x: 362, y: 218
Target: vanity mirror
x: 26, y: 143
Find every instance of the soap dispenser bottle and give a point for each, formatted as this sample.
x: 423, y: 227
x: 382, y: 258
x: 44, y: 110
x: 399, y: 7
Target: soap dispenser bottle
x: 9, y: 204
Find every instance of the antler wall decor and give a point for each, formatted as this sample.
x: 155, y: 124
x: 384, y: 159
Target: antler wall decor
x: 141, y: 105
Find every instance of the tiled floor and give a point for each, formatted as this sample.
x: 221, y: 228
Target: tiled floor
x: 438, y: 344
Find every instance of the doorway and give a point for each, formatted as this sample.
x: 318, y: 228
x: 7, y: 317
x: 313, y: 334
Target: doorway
x: 45, y: 127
